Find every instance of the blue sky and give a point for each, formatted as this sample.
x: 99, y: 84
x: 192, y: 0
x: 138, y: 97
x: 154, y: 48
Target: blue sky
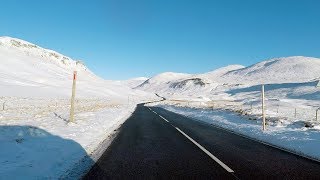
x: 120, y: 39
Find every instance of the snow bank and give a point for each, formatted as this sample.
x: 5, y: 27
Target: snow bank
x: 42, y: 144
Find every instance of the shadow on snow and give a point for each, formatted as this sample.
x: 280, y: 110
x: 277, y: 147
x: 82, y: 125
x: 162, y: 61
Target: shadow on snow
x: 29, y: 152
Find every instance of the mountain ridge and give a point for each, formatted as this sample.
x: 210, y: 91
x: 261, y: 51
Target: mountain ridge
x: 31, y: 49
x: 293, y: 69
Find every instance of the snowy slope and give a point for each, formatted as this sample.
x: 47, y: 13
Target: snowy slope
x: 161, y: 81
x: 132, y: 83
x: 215, y: 74
x: 178, y: 85
x: 169, y: 79
x: 296, y: 69
x: 278, y: 70
x: 28, y: 70
x: 163, y: 78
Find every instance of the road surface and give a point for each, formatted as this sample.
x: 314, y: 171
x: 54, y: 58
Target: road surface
x: 157, y: 144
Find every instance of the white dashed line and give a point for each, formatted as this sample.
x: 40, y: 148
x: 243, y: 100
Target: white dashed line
x: 198, y: 145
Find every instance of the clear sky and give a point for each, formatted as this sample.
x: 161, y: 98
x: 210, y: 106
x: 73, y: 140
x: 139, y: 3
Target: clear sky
x: 120, y: 39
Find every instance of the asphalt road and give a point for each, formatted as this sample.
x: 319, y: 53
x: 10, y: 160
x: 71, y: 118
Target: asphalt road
x: 175, y: 147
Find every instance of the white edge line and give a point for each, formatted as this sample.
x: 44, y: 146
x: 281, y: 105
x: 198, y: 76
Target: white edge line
x: 198, y: 145
x: 164, y: 118
x: 207, y: 152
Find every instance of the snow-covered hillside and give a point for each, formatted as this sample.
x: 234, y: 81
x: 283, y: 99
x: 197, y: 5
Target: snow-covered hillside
x: 132, y: 83
x: 162, y: 78
x: 27, y: 70
x: 296, y: 69
x: 278, y: 70
x: 179, y: 85
x: 216, y: 74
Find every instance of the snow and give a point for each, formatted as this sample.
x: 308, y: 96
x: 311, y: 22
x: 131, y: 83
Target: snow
x: 291, y: 137
x: 132, y: 83
x: 278, y: 70
x: 181, y: 86
x: 167, y: 76
x: 42, y: 144
x: 36, y: 138
x: 161, y: 79
x: 221, y: 71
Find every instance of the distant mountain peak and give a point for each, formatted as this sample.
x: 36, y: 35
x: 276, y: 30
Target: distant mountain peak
x: 5, y: 40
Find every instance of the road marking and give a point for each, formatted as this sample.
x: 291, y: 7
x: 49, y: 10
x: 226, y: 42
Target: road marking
x: 159, y: 115
x: 153, y: 111
x: 163, y: 118
x: 207, y: 152
x: 198, y: 145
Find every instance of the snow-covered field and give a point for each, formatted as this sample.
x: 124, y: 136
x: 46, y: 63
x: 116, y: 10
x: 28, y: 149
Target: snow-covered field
x: 36, y: 138
x: 39, y: 142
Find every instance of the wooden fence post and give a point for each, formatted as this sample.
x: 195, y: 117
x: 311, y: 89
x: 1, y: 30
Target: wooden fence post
x: 3, y: 105
x: 263, y: 110
x: 73, y: 96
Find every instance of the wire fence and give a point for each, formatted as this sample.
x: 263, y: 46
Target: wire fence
x: 275, y: 111
x: 26, y: 108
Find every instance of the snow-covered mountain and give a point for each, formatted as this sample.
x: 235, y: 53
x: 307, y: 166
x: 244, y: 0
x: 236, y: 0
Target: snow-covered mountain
x: 179, y: 83
x: 32, y: 50
x: 28, y: 70
x: 296, y: 69
x: 277, y: 70
x: 221, y: 71
x: 162, y: 80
